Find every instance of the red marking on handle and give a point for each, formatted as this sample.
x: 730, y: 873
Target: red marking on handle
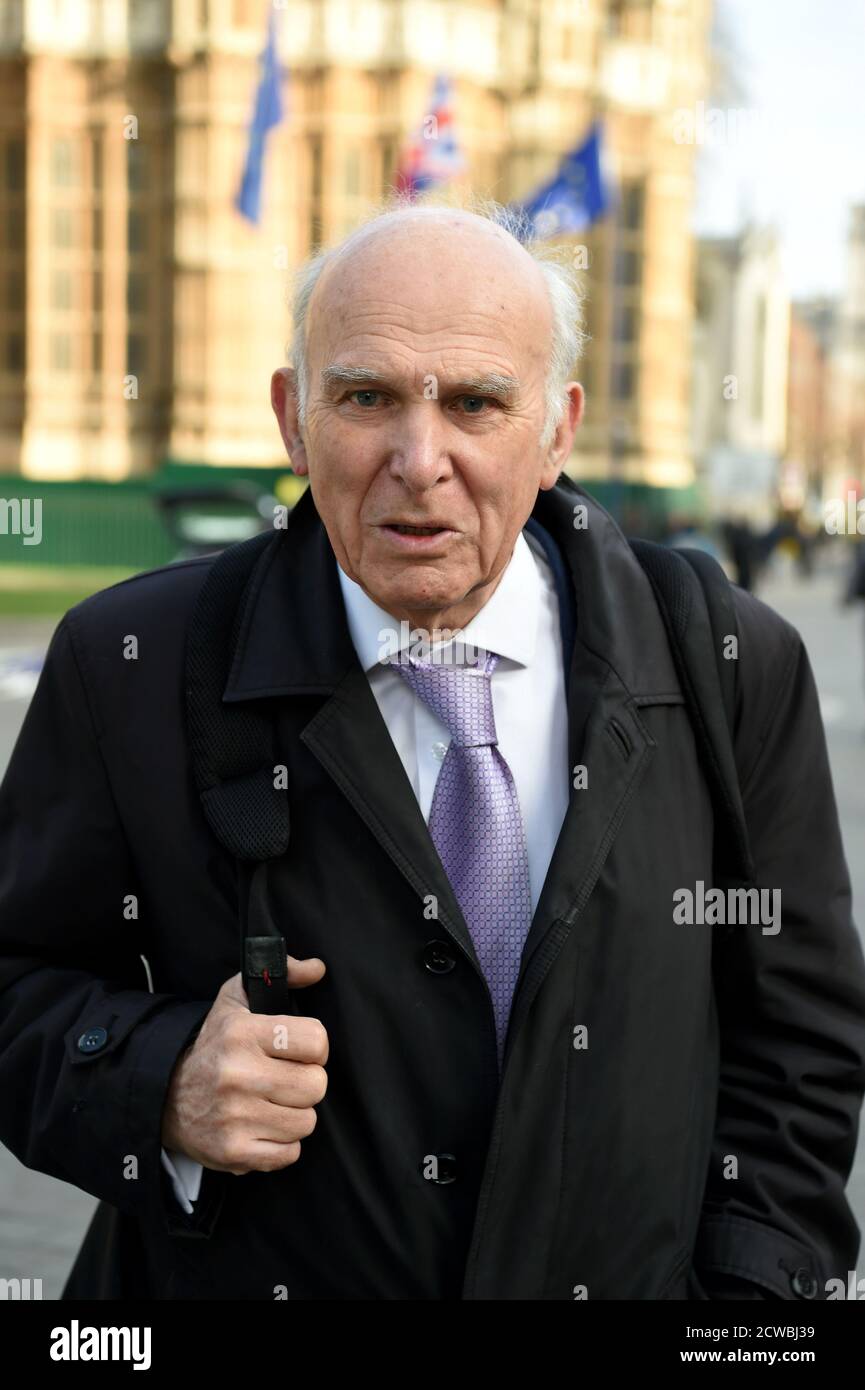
x: 266, y: 977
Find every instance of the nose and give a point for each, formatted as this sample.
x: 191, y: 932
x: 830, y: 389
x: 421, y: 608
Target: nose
x: 419, y: 456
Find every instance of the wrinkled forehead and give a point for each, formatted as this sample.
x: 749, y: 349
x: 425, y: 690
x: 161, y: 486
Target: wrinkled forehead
x: 424, y: 275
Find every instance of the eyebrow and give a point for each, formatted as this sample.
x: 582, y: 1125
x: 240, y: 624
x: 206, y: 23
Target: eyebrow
x: 505, y: 388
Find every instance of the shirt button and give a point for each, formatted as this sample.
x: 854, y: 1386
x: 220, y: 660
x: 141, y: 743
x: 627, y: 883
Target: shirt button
x: 439, y: 750
x: 93, y: 1040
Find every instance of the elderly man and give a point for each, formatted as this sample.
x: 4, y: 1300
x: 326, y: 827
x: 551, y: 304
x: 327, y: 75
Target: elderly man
x: 497, y: 1062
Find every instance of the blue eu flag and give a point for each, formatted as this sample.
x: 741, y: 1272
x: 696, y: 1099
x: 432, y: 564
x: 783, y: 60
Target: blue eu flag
x: 576, y: 196
x: 268, y: 113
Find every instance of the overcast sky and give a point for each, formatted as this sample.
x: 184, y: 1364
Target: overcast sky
x: 802, y: 161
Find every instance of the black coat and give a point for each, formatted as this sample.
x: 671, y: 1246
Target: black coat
x: 601, y: 1166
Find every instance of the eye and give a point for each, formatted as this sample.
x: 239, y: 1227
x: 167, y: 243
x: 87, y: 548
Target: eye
x: 363, y: 397
x: 475, y: 404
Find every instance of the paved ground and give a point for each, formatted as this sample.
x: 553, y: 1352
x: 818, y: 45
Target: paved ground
x: 42, y: 1221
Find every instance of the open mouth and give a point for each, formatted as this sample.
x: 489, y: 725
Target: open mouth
x: 415, y: 530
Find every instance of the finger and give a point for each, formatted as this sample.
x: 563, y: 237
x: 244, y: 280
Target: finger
x: 280, y: 1124
x: 297, y: 1039
x: 304, y: 972
x: 288, y: 1083
x: 266, y: 1157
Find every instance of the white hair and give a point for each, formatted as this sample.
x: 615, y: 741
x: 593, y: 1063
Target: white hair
x: 567, y: 337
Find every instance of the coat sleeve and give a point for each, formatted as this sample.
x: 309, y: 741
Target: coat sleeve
x: 791, y: 1005
x: 86, y: 1050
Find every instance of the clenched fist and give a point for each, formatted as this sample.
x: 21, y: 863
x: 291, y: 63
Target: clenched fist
x: 241, y: 1097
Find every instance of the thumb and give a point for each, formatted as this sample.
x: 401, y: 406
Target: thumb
x: 304, y: 972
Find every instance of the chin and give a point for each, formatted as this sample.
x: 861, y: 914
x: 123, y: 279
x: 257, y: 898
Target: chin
x: 422, y: 602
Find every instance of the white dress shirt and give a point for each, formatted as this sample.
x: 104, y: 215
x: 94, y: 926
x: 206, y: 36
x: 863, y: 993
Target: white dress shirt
x: 520, y: 622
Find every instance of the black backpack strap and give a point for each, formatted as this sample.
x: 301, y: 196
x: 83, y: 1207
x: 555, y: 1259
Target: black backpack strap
x: 264, y: 968
x: 696, y: 603
x: 233, y: 756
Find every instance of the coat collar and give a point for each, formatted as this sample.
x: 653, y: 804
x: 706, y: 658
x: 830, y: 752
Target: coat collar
x: 294, y: 636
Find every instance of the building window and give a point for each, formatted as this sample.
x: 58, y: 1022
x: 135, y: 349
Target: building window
x: 61, y: 227
x: 136, y: 353
x: 626, y: 323
x: 62, y: 162
x: 136, y: 292
x: 632, y: 205
x: 15, y: 352
x: 628, y: 268
x: 136, y: 230
x: 61, y: 290
x: 15, y: 164
x: 624, y: 381
x: 136, y: 171
x: 15, y: 229
x: 61, y: 352
x: 97, y: 162
x: 15, y: 291
x: 615, y: 14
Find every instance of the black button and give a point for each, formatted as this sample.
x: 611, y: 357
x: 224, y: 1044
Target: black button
x: 446, y: 1168
x: 438, y: 957
x: 803, y: 1283
x: 93, y: 1040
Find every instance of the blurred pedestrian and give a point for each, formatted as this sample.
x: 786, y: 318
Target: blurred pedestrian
x: 740, y: 542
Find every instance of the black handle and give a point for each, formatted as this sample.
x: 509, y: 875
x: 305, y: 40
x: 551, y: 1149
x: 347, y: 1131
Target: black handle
x: 263, y: 960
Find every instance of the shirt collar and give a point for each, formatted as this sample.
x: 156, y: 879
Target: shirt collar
x: 507, y: 623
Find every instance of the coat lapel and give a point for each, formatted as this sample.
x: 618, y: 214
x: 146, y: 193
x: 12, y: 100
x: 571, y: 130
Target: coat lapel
x: 616, y: 621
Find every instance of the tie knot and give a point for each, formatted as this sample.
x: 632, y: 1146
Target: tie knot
x: 460, y: 696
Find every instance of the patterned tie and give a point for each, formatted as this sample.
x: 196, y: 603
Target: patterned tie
x: 476, y: 826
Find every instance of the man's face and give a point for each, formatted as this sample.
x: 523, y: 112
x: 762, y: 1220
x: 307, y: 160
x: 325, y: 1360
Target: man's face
x: 427, y: 351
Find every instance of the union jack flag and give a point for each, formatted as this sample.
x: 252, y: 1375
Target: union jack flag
x: 431, y: 155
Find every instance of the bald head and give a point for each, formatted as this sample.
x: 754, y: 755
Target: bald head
x: 422, y: 251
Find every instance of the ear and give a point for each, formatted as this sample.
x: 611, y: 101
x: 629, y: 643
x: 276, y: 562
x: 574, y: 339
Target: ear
x: 283, y: 398
x: 563, y: 439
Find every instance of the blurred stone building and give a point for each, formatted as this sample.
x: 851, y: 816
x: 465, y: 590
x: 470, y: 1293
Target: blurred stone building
x: 847, y: 442
x: 808, y: 414
x: 741, y: 356
x: 141, y: 316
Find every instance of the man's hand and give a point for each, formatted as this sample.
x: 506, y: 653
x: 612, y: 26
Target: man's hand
x: 241, y: 1097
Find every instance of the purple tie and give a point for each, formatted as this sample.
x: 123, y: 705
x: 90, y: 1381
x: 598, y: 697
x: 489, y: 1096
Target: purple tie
x: 476, y: 826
